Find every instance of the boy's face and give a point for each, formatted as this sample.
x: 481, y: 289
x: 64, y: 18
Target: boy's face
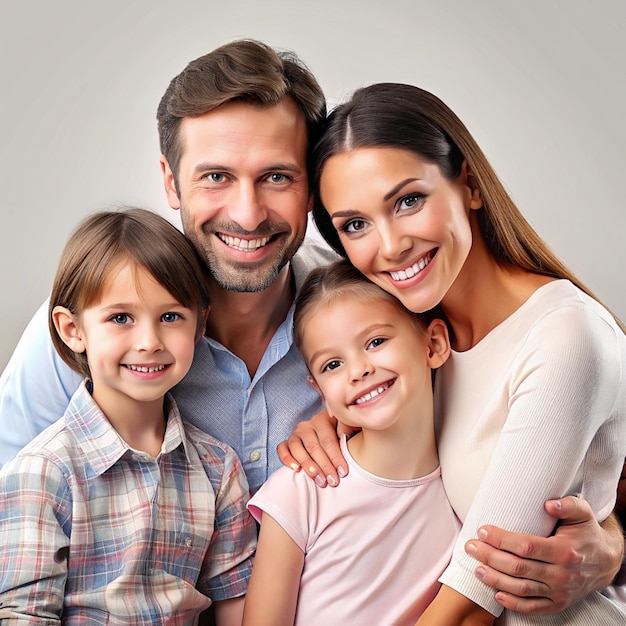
x: 139, y: 341
x: 370, y: 362
x: 242, y: 190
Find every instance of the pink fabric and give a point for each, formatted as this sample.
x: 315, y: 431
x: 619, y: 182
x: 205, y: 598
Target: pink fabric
x: 374, y: 547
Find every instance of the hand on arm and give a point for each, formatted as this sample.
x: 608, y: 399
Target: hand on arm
x: 546, y: 575
x: 273, y: 591
x: 314, y: 447
x: 450, y: 607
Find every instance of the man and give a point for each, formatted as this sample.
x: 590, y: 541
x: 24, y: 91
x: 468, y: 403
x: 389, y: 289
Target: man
x: 235, y: 164
x: 235, y: 129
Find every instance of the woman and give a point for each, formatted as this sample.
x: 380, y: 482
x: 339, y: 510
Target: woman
x: 532, y: 403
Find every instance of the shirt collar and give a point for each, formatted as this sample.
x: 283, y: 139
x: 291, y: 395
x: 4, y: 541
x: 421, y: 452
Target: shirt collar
x: 100, y: 443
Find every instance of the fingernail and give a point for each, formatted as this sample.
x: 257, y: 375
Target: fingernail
x: 319, y: 480
x: 557, y: 503
x: 341, y: 472
x: 295, y: 467
x: 331, y: 480
x: 482, y: 533
x: 480, y: 573
x: 471, y: 548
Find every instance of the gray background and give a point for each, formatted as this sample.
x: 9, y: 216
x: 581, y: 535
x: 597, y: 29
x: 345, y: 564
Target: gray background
x: 540, y: 83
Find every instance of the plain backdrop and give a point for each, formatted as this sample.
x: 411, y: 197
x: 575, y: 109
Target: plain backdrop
x: 540, y: 84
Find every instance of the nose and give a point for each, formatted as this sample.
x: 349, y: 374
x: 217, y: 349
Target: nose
x: 392, y: 241
x: 247, y: 208
x: 360, y: 368
x: 148, y: 338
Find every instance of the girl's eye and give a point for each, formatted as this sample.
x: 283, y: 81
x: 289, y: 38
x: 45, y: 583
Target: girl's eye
x: 412, y: 201
x: 377, y: 341
x: 170, y: 317
x: 354, y: 226
x: 331, y: 365
x: 121, y: 319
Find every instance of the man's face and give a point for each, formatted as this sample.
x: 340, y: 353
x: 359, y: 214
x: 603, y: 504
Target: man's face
x: 243, y: 190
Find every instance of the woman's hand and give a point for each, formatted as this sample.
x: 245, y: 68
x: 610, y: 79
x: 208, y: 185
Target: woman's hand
x: 546, y: 575
x: 314, y: 447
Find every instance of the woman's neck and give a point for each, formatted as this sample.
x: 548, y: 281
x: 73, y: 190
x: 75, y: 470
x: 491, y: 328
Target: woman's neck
x: 484, y: 295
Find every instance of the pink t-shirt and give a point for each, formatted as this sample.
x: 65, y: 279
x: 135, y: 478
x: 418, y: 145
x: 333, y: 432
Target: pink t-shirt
x: 374, y: 548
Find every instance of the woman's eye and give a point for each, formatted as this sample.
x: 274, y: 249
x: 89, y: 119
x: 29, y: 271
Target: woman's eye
x: 170, y: 317
x: 120, y: 318
x: 412, y: 201
x: 354, y: 226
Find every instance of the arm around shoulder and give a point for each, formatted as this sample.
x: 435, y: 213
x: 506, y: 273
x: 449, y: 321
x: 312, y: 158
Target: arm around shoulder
x: 35, y: 387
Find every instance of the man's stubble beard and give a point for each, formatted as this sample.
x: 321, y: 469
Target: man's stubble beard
x: 241, y: 277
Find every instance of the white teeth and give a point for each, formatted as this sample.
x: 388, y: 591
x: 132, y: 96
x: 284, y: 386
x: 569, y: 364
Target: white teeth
x: 245, y: 245
x: 410, y: 271
x: 145, y: 370
x: 371, y: 394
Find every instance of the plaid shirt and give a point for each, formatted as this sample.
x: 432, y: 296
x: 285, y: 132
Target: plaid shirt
x: 95, y: 532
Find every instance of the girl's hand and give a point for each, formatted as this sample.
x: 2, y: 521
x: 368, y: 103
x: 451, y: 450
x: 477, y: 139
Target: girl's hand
x: 547, y: 575
x: 314, y: 447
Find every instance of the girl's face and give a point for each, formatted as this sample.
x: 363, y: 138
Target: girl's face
x: 371, y: 363
x: 402, y: 223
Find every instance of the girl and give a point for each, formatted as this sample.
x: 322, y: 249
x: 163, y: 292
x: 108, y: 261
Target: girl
x: 370, y: 551
x: 532, y: 403
x: 121, y: 512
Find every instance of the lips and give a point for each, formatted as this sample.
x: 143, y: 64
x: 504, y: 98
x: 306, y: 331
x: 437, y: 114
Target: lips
x: 243, y: 245
x: 145, y: 369
x: 414, y: 269
x: 375, y: 392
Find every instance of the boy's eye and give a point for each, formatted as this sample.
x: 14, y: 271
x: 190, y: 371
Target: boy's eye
x: 331, y: 365
x: 121, y: 318
x: 170, y: 317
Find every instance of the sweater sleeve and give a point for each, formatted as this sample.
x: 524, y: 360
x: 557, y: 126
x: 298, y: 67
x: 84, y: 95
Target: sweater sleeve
x: 564, y: 433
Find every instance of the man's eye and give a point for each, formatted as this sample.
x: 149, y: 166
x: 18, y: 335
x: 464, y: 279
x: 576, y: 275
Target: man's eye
x: 216, y: 177
x: 170, y: 317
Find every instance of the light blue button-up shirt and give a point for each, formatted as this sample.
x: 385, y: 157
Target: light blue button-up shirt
x: 251, y: 415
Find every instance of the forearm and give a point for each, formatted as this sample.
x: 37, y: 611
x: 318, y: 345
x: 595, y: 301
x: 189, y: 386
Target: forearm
x: 450, y: 607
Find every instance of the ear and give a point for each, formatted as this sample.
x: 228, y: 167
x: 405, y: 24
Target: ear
x: 315, y: 386
x: 67, y: 326
x: 169, y: 183
x: 438, y: 344
x: 476, y: 199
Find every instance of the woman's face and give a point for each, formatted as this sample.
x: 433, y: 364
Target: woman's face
x: 401, y: 222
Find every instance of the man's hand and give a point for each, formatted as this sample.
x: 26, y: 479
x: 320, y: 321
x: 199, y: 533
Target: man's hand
x: 314, y: 447
x: 547, y: 575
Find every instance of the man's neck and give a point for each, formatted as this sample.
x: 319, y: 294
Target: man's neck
x: 245, y: 322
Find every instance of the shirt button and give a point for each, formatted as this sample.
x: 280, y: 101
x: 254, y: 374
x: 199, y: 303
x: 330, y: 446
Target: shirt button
x: 188, y: 542
x: 255, y: 456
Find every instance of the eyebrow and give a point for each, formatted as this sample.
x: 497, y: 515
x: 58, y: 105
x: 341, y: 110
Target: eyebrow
x: 281, y: 167
x: 394, y: 190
